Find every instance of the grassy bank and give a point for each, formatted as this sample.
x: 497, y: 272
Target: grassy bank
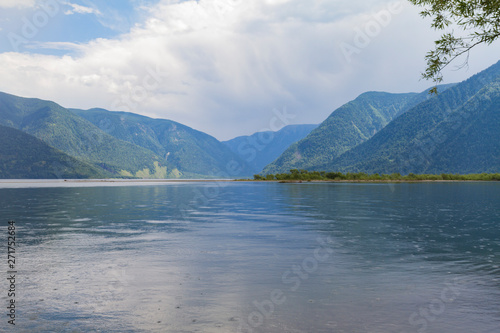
x: 304, y: 175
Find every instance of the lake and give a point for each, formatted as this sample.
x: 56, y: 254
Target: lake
x: 253, y: 257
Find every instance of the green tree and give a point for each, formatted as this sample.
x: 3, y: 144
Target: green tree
x: 270, y: 177
x: 479, y: 19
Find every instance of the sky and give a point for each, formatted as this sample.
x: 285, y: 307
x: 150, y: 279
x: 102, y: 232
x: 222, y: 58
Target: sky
x: 224, y: 67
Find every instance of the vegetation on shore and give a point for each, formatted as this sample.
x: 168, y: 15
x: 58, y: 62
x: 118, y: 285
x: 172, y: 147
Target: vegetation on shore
x: 304, y: 175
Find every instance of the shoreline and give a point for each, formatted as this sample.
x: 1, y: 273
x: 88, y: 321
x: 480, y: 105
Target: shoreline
x: 110, y: 180
x: 53, y: 183
x: 383, y: 181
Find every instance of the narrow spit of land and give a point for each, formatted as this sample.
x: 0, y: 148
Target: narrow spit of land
x: 296, y: 175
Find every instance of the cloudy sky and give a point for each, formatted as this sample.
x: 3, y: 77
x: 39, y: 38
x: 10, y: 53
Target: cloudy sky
x: 225, y: 67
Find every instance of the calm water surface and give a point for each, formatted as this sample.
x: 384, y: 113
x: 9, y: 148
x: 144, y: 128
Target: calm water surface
x: 256, y: 257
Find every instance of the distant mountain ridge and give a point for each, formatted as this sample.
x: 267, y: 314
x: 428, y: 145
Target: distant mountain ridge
x: 63, y: 130
x: 121, y: 144
x: 262, y: 148
x: 350, y: 125
x: 457, y: 131
x: 192, y: 152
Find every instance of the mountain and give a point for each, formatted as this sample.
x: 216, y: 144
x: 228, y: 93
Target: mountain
x: 262, y: 148
x: 457, y: 131
x: 77, y: 137
x: 193, y: 153
x: 24, y: 156
x: 348, y: 126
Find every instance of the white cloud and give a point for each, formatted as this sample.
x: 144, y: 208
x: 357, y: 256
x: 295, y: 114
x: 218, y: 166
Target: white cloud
x: 55, y: 46
x: 222, y: 66
x: 17, y: 3
x: 81, y: 10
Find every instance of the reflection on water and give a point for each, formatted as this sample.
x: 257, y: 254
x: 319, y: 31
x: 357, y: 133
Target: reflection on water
x: 257, y: 257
